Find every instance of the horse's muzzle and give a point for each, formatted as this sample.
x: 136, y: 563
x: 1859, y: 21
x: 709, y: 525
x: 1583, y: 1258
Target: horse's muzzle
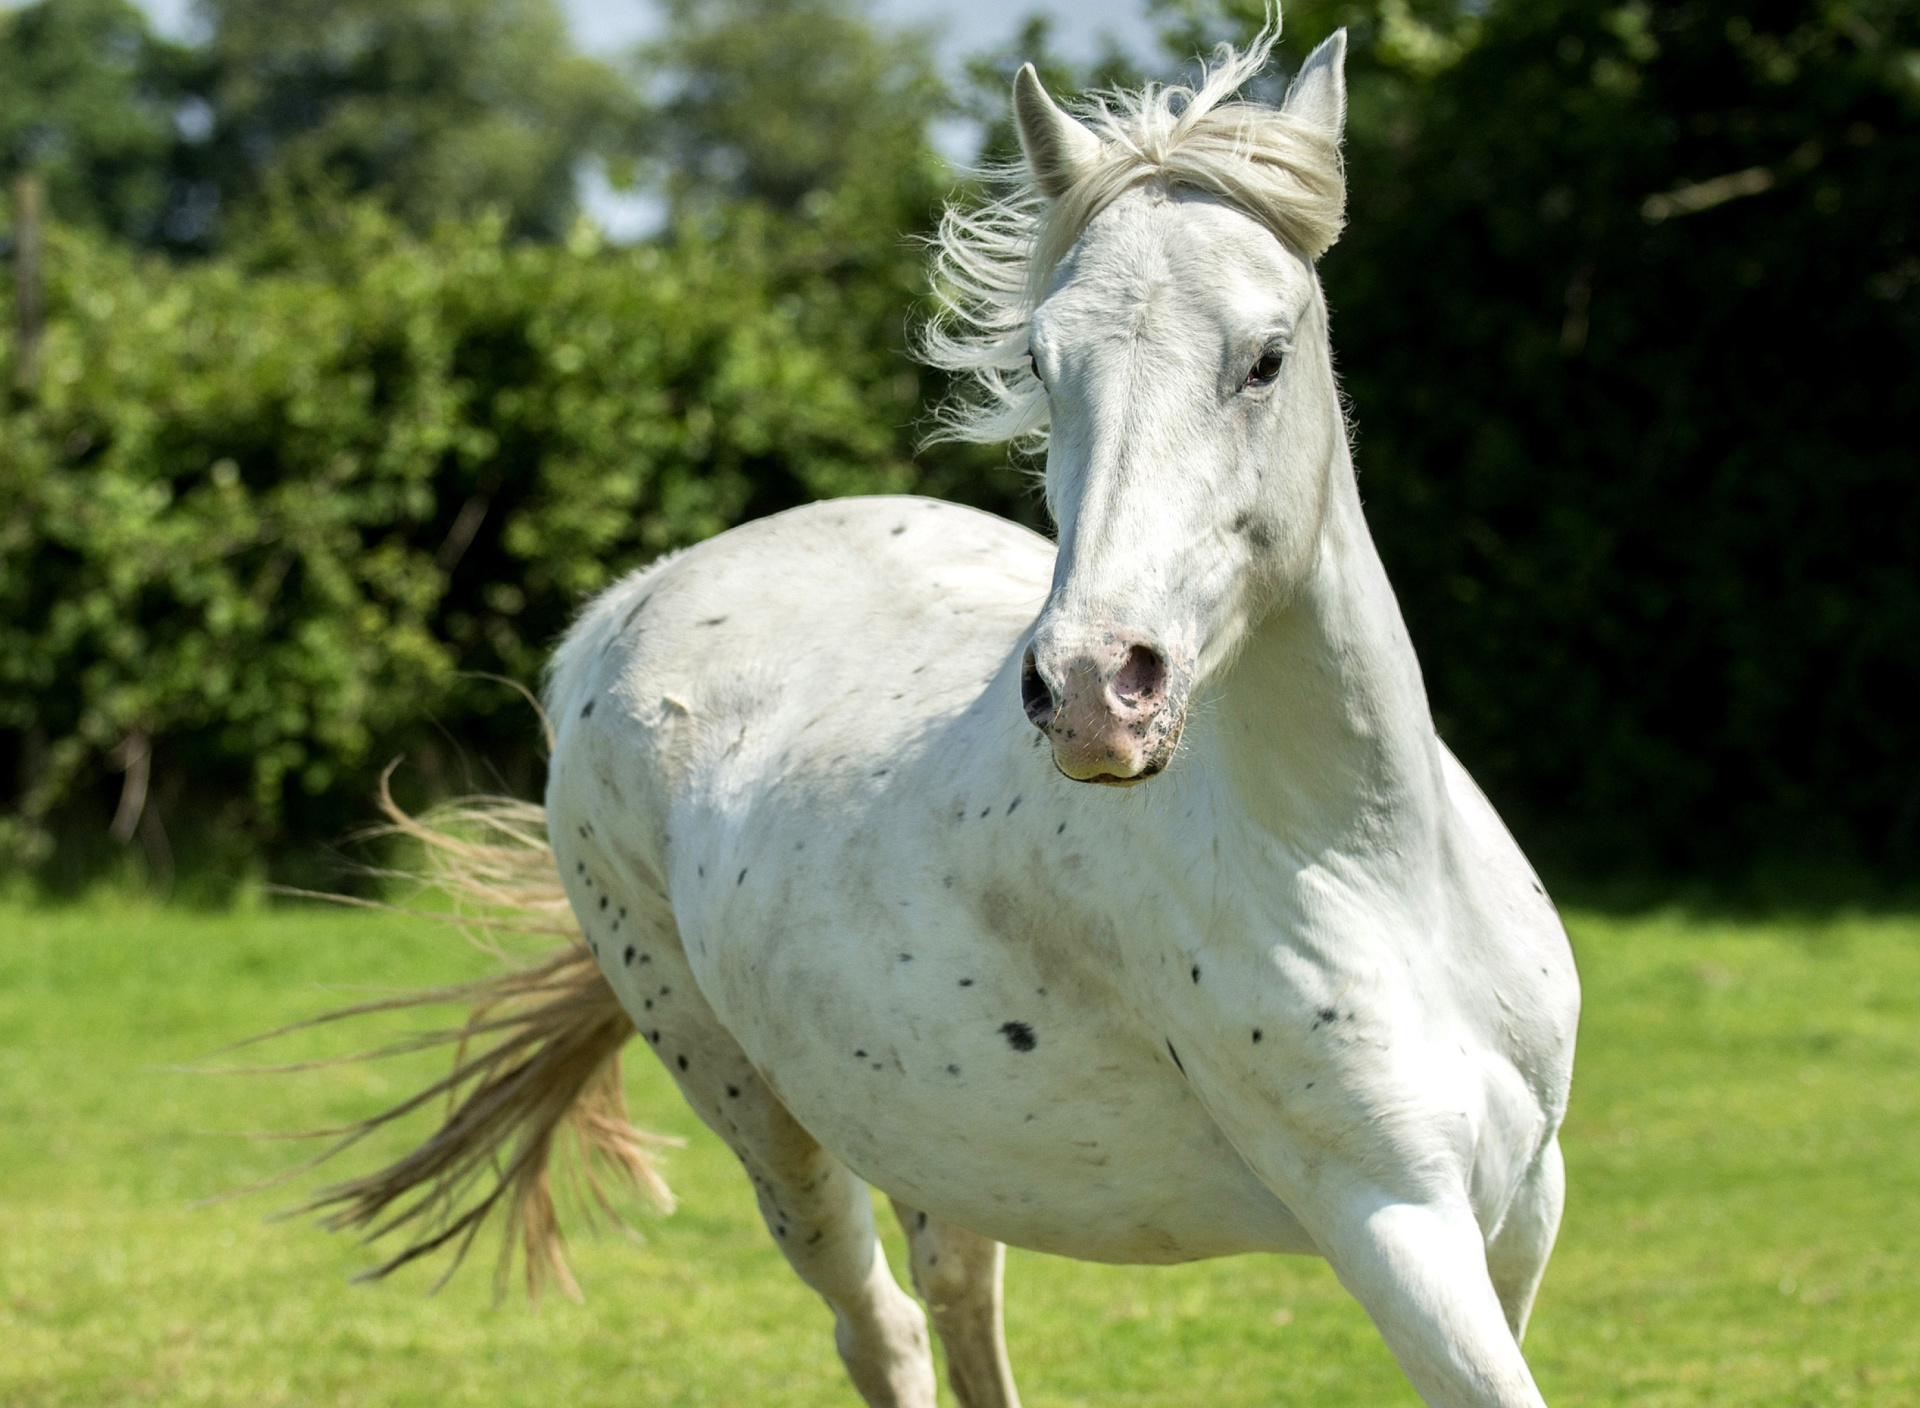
x: 1112, y: 710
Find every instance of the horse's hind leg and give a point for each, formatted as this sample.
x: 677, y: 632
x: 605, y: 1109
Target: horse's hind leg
x: 822, y: 1217
x: 958, y: 1275
x: 820, y: 1214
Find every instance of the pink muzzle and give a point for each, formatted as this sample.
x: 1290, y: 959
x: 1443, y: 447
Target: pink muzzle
x: 1108, y: 709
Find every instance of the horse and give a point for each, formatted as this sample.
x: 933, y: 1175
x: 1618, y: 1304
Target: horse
x: 1116, y: 899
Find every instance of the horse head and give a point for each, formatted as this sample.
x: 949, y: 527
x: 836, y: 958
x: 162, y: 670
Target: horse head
x: 1174, y: 353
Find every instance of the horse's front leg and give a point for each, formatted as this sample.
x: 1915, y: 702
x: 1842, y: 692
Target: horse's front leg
x: 1420, y: 1269
x: 1378, y: 1173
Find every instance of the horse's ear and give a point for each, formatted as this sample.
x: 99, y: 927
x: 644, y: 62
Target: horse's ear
x: 1319, y: 92
x: 1059, y: 148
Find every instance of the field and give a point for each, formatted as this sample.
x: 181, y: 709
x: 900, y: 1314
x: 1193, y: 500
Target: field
x: 1743, y: 1226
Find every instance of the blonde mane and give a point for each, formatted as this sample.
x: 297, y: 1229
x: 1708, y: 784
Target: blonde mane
x: 991, y: 263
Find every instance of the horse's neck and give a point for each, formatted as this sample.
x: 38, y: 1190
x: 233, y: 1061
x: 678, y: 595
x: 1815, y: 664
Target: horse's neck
x: 1323, y: 718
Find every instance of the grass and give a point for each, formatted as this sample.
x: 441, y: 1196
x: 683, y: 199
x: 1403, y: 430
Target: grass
x: 1744, y: 1152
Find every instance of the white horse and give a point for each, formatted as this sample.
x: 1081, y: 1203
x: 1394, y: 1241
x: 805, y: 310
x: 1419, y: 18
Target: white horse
x: 819, y: 801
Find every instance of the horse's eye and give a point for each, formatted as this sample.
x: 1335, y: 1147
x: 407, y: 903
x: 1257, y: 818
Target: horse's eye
x: 1033, y: 365
x: 1266, y: 369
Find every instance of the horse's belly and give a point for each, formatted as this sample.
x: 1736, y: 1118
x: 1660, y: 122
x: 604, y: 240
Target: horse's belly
x: 969, y: 1086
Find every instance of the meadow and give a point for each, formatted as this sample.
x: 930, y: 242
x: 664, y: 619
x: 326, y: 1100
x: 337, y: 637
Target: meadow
x: 1744, y: 1155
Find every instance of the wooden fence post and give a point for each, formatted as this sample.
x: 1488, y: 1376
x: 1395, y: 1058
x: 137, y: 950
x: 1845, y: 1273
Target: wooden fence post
x: 26, y: 276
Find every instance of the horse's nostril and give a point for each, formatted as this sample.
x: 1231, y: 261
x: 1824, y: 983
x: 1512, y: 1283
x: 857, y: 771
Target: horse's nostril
x: 1142, y: 678
x: 1035, y: 694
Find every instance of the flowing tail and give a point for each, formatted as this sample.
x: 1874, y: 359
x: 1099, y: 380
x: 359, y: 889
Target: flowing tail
x: 536, y: 1064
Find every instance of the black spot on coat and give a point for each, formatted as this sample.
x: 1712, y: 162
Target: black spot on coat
x: 1019, y: 1036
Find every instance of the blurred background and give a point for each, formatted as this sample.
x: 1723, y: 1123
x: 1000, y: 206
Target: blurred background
x: 351, y: 343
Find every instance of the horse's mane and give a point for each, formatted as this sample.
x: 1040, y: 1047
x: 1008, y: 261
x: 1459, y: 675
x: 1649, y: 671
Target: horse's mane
x: 991, y: 262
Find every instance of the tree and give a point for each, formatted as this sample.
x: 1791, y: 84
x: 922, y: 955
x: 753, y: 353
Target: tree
x: 1629, y: 312
x: 791, y: 103
x: 268, y: 505
x: 85, y: 111
x: 797, y: 131
x: 441, y: 109
x: 257, y: 523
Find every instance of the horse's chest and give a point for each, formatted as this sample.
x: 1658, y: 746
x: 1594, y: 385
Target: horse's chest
x: 971, y: 1054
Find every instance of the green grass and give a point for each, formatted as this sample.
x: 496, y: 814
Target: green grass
x: 1743, y: 1226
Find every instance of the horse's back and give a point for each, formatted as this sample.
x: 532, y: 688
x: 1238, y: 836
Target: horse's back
x: 842, y: 572
x: 809, y: 609
x: 795, y: 644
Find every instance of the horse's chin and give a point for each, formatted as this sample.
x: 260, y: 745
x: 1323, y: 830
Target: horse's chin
x: 1155, y: 764
x: 1107, y: 779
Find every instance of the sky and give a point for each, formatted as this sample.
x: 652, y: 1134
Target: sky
x: 961, y: 27
x: 966, y: 26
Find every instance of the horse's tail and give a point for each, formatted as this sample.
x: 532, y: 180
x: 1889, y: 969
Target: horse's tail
x: 536, y: 1064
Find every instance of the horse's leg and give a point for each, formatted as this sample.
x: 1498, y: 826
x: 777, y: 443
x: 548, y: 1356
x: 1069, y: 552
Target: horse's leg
x: 820, y: 1214
x: 822, y: 1217
x: 1420, y: 1269
x: 958, y: 1275
x: 1518, y: 1253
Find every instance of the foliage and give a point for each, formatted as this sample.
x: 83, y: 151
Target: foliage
x: 264, y: 515
x: 262, y: 510
x: 804, y: 127
x: 439, y: 109
x: 1629, y: 312
x: 788, y: 102
x: 1738, y: 1230
x: 84, y: 104
x: 1626, y: 310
